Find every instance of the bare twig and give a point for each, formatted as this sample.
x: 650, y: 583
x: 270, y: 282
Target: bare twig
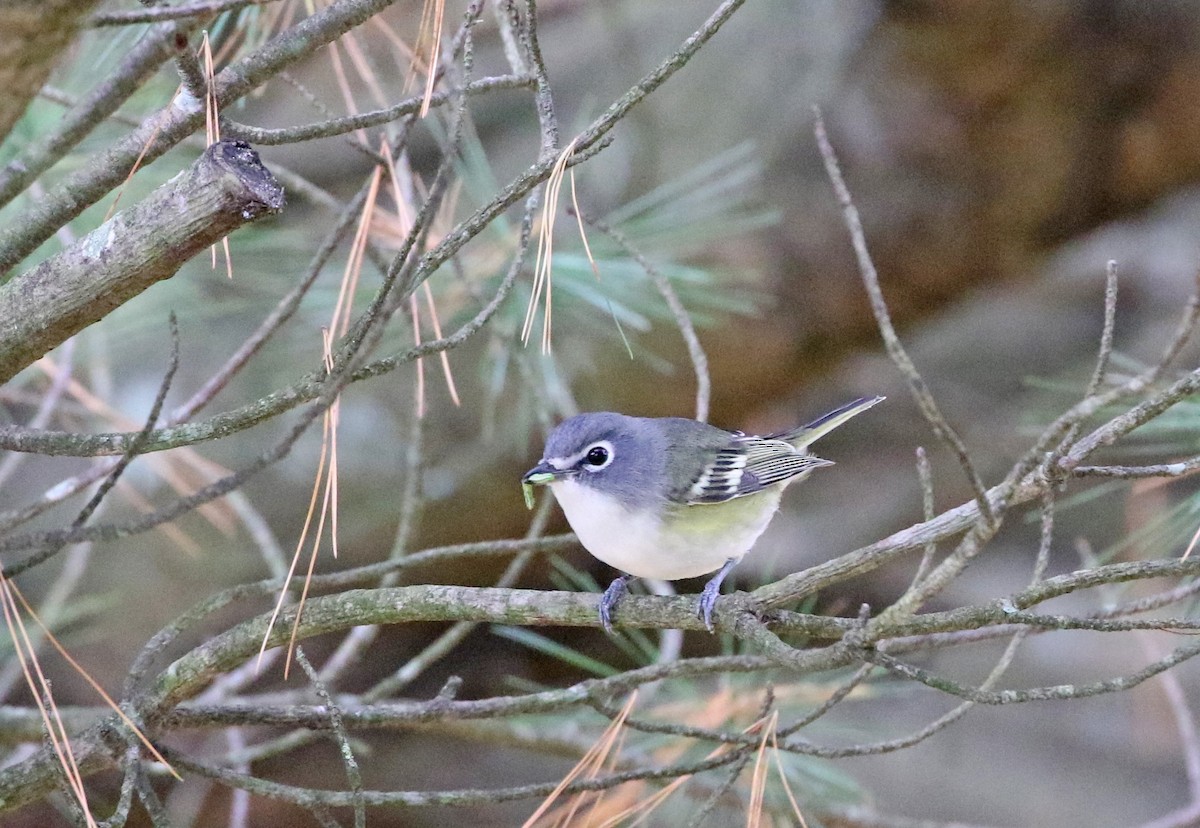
x: 353, y: 775
x: 916, y: 384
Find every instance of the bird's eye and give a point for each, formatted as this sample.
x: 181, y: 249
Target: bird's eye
x: 597, y: 457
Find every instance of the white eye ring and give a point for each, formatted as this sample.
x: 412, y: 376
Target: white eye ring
x: 597, y: 457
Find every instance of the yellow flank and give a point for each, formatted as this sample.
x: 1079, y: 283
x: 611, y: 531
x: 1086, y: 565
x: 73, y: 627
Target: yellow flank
x: 728, y: 522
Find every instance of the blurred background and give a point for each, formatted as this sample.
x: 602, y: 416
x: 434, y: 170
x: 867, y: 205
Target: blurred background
x: 1001, y: 153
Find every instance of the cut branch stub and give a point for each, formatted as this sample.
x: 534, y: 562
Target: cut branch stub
x: 227, y: 187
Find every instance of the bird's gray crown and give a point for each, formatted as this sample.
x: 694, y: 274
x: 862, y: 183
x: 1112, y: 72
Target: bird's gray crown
x: 576, y: 433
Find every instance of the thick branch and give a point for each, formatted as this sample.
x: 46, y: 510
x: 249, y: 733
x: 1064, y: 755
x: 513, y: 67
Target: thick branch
x: 163, y: 130
x: 35, y: 32
x: 226, y: 188
x: 143, y: 60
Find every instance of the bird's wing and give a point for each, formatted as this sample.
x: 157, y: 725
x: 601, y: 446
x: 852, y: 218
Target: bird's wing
x: 748, y: 465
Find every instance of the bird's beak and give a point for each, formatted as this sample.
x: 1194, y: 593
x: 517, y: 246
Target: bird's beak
x: 540, y: 475
x: 543, y: 473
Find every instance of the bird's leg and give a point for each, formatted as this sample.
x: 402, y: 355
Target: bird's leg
x: 712, y: 591
x: 608, y: 601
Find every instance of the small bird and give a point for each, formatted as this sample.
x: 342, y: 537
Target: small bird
x: 671, y: 498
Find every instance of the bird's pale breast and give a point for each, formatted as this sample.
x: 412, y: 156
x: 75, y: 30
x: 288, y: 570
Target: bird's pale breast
x: 684, y: 542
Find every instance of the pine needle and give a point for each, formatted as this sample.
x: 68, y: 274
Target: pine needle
x: 587, y: 249
x: 212, y: 126
x: 343, y: 83
x: 758, y: 779
x: 437, y: 334
x: 545, y: 253
x: 137, y: 163
x: 339, y: 321
x: 86, y: 676
x: 400, y: 48
x: 212, y: 132
x: 787, y: 788
x: 435, y: 12
x: 358, y: 57
x: 649, y: 804
x: 1191, y: 544
x: 40, y: 689
x: 328, y: 502
x: 589, y: 763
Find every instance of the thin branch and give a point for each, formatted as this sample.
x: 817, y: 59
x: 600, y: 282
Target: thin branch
x: 925, y: 476
x: 916, y: 384
x: 1183, y: 331
x: 1104, y: 355
x: 341, y: 125
x: 1059, y: 691
x: 151, y: 419
x: 309, y: 797
x: 353, y: 774
x: 196, y: 8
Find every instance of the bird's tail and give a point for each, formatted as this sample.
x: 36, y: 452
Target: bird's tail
x: 818, y: 428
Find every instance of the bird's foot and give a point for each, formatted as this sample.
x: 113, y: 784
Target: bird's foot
x: 711, y: 592
x: 609, y: 600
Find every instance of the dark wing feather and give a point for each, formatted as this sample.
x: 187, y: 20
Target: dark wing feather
x: 736, y: 464
x: 750, y: 464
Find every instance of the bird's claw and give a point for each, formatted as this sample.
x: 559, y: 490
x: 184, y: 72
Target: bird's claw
x: 711, y: 592
x: 609, y: 600
x: 708, y: 601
